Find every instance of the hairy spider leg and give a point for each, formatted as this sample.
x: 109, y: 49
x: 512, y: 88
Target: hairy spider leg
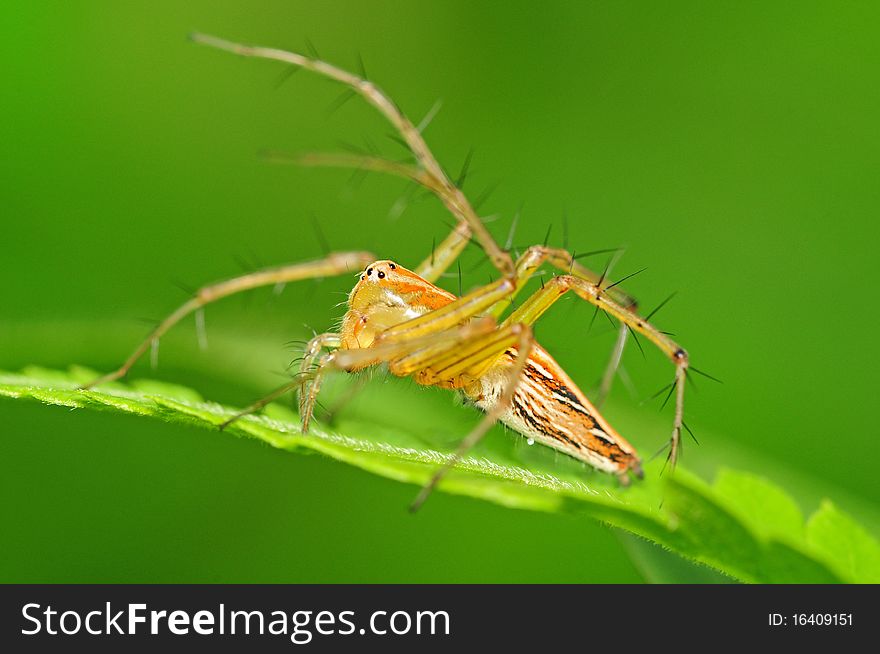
x: 338, y: 263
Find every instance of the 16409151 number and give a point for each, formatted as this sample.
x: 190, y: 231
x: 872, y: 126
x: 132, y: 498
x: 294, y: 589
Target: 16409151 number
x: 810, y: 619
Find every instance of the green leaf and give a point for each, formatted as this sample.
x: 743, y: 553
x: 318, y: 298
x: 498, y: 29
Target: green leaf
x: 844, y: 544
x: 660, y: 566
x: 730, y: 541
x: 771, y: 510
x: 742, y: 525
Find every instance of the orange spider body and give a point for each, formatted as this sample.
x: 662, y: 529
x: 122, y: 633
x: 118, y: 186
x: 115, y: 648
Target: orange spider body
x: 547, y: 406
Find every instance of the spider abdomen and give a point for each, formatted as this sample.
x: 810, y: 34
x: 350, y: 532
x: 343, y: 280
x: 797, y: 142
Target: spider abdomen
x: 548, y: 407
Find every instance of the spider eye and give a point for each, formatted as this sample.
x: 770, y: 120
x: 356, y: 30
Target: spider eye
x: 392, y: 266
x: 381, y: 275
x: 369, y: 271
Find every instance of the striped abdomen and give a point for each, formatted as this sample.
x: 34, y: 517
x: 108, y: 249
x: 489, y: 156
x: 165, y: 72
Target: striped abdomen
x: 551, y: 409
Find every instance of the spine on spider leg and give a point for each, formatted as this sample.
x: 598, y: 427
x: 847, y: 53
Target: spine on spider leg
x: 677, y: 354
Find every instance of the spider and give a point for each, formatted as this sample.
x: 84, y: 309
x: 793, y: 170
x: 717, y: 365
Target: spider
x: 400, y: 318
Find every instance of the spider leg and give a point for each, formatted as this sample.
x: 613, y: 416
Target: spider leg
x: 536, y: 256
x: 264, y: 401
x: 452, y: 358
x: 428, y: 170
x: 334, y: 264
x: 612, y: 366
x: 308, y: 382
x: 563, y: 260
x: 464, y: 308
x: 310, y: 355
x: 385, y: 352
x: 530, y: 310
x: 457, y: 366
x: 443, y: 255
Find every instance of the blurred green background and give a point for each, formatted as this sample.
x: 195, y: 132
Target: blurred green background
x: 732, y: 147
